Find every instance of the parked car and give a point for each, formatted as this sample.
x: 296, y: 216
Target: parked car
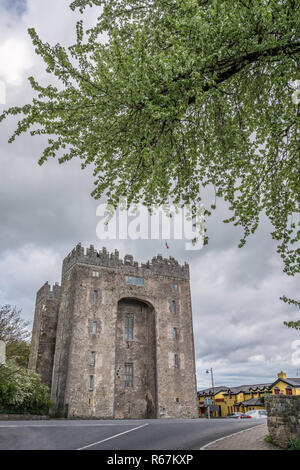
x: 256, y: 414
x: 236, y: 415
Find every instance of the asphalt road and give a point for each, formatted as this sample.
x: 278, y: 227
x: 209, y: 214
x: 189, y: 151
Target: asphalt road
x: 161, y: 434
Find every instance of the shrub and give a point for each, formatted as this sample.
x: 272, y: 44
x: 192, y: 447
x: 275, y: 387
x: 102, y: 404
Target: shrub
x: 22, y: 391
x: 294, y: 444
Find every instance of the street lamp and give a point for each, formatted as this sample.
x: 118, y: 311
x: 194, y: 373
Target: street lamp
x: 210, y: 371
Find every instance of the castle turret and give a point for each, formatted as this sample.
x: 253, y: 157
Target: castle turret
x: 44, y: 332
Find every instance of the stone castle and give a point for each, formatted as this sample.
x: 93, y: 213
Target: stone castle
x: 115, y: 340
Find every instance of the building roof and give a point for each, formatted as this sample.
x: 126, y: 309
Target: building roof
x: 251, y: 402
x: 247, y: 388
x: 235, y: 390
x: 210, y: 390
x: 294, y: 382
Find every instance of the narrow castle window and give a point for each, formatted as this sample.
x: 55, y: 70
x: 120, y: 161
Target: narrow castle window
x: 94, y: 328
x: 176, y: 360
x: 174, y: 287
x: 173, y: 306
x: 128, y: 328
x: 128, y: 375
x: 175, y: 333
x: 95, y: 274
x: 92, y: 358
x: 95, y: 296
x: 91, y: 382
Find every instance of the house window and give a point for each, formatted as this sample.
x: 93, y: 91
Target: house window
x: 288, y: 391
x: 128, y: 328
x: 175, y: 333
x: 92, y: 358
x: 95, y: 296
x: 128, y: 375
x: 176, y: 360
x: 95, y: 274
x: 91, y: 382
x: 94, y: 327
x: 276, y: 391
x: 174, y: 287
x: 173, y: 306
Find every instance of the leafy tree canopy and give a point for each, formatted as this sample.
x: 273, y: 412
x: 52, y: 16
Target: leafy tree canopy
x: 19, y: 351
x: 12, y: 327
x: 14, y: 332
x: 164, y: 97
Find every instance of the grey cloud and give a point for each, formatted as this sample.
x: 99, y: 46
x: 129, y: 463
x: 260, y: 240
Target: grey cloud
x: 17, y: 7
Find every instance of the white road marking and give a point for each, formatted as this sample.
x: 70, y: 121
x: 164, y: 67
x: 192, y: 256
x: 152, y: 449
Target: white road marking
x: 112, y: 437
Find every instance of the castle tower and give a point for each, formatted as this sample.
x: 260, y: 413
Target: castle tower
x: 44, y: 332
x: 124, y: 339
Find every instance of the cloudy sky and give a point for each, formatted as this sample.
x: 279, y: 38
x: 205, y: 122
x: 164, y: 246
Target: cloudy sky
x: 45, y: 211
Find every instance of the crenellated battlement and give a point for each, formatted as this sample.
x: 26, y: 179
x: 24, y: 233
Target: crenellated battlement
x: 46, y: 292
x: 102, y: 258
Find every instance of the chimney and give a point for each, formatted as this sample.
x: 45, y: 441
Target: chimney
x: 281, y: 375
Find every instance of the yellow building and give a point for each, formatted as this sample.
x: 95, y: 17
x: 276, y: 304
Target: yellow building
x: 216, y: 395
x: 227, y: 400
x: 284, y: 385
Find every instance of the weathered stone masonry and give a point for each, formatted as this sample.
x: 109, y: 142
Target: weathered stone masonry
x: 44, y: 332
x: 124, y: 343
x: 283, y: 419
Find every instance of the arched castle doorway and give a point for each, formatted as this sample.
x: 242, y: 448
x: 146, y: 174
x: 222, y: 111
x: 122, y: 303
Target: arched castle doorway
x: 135, y: 374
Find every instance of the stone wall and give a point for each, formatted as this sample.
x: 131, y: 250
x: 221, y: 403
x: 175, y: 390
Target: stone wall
x: 283, y: 418
x: 44, y: 332
x: 138, y: 401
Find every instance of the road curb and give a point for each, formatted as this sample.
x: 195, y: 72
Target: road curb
x: 230, y: 435
x: 24, y: 417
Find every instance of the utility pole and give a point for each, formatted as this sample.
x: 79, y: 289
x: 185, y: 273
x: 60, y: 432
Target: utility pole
x: 210, y: 371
